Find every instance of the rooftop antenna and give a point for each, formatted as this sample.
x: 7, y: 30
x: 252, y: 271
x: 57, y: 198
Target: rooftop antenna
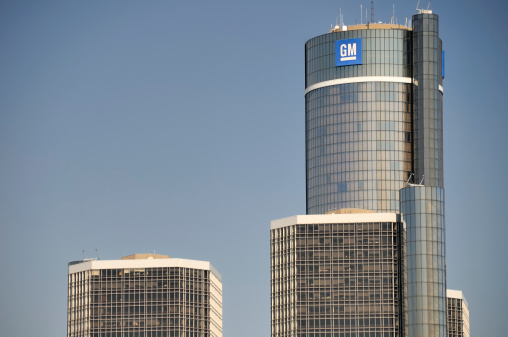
x: 361, y: 14
x: 336, y: 24
x: 372, y: 11
x: 428, y: 6
x: 393, y: 14
x: 423, y: 177
x: 96, y: 251
x: 418, y: 5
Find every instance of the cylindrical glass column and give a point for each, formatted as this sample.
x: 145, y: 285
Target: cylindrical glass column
x: 423, y: 214
x: 428, y: 100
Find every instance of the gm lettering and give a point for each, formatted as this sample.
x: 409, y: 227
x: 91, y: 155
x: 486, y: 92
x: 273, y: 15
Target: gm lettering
x: 348, y: 52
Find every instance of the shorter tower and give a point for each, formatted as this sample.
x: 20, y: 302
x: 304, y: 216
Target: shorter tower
x: 458, y: 314
x: 338, y: 275
x: 144, y: 295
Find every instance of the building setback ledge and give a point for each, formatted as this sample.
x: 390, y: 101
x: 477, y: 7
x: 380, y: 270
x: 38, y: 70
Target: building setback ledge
x: 335, y: 218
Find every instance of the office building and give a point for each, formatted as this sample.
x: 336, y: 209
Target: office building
x: 367, y: 124
x: 374, y: 157
x: 458, y: 314
x: 144, y: 295
x: 337, y: 275
x: 358, y: 120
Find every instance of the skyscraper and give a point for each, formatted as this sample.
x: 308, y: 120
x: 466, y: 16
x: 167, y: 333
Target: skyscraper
x: 337, y: 275
x: 144, y: 295
x: 374, y: 158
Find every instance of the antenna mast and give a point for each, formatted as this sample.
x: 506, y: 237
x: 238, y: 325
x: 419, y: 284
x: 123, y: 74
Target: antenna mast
x: 372, y: 11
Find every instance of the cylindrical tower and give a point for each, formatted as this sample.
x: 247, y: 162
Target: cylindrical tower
x: 422, y: 206
x: 428, y: 99
x: 423, y: 213
x: 358, y: 105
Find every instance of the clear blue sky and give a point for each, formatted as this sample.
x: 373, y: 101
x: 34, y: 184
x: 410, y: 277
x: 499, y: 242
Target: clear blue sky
x: 178, y: 127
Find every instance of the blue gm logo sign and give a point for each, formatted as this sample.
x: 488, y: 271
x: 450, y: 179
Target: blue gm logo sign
x: 348, y: 52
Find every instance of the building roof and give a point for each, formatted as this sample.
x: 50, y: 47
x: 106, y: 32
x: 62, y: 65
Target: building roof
x: 335, y: 218
x: 368, y: 26
x: 456, y: 294
x: 138, y: 261
x: 144, y: 257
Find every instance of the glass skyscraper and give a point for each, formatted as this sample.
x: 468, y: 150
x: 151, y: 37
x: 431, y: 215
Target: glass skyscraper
x: 358, y: 120
x: 144, y: 295
x: 368, y: 259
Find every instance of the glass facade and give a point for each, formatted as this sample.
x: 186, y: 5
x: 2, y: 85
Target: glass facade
x: 358, y: 146
x: 337, y: 279
x: 144, y: 302
x: 359, y: 135
x: 428, y: 100
x: 385, y: 52
x: 423, y: 212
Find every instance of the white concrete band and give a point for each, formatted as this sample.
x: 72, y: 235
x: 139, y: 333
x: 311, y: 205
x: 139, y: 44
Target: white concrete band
x: 358, y: 80
x: 361, y: 79
x: 335, y: 219
x: 142, y: 263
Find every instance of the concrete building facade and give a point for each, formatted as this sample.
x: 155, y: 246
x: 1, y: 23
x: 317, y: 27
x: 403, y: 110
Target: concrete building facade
x: 144, y: 295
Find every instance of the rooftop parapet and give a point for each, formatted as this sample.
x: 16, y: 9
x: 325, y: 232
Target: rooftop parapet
x: 366, y: 26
